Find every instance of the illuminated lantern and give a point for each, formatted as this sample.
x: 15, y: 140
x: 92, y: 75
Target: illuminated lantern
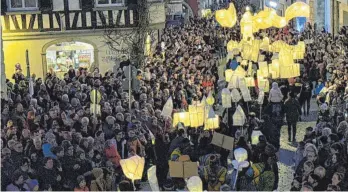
x: 226, y: 98
x: 148, y: 45
x: 247, y: 26
x: 260, y: 97
x: 233, y: 83
x: 247, y: 51
x: 239, y: 117
x: 298, y: 9
x: 264, y: 85
x: 151, y: 176
x: 240, y: 154
x: 285, y: 57
x: 250, y: 82
x: 210, y: 99
x: 255, y: 137
x: 255, y: 50
x: 197, y: 113
x: 194, y: 184
x: 263, y: 69
x: 235, y: 95
x: 296, y: 70
x: 274, y: 68
x: 232, y: 45
x: 226, y: 18
x: 183, y: 117
x: 168, y: 108
x: 212, y: 121
x: 244, y: 62
x: 265, y: 44
x: 133, y: 167
x: 244, y: 90
x: 286, y: 72
x: 204, y: 101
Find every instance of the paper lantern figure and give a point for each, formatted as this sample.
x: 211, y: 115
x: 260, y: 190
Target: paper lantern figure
x: 286, y: 72
x: 250, y: 82
x: 296, y: 70
x: 206, y: 13
x: 286, y: 57
x: 227, y: 18
x: 265, y: 44
x: 232, y: 45
x: 247, y: 26
x: 197, y: 115
x: 210, y: 99
x: 167, y: 108
x: 244, y: 90
x: 263, y: 69
x: 244, y: 63
x: 194, y: 184
x: 226, y: 98
x: 255, y: 50
x: 240, y: 154
x: 263, y: 85
x: 183, y: 117
x: 148, y: 45
x: 204, y: 101
x: 133, y: 167
x: 274, y: 69
x: 255, y: 137
x: 211, y: 123
x: 261, y: 97
x: 151, y: 176
x: 239, y: 117
x: 233, y: 83
x: 298, y: 9
x: 235, y: 95
x: 247, y: 51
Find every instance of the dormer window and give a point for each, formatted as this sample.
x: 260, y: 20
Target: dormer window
x: 106, y: 3
x: 15, y: 5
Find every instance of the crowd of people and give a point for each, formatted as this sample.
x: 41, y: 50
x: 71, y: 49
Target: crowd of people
x: 51, y: 140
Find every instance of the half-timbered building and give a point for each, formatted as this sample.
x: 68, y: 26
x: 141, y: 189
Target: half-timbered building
x: 63, y: 33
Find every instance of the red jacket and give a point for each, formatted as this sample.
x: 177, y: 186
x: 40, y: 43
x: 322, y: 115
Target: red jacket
x: 111, y: 154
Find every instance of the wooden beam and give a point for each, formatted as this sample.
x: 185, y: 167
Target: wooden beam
x: 94, y: 19
x: 39, y: 20
x: 58, y: 19
x: 127, y: 17
x: 32, y: 21
x: 7, y: 22
x: 24, y: 21
x: 76, y: 18
x: 83, y: 18
x: 15, y: 22
x: 111, y: 19
x: 102, y: 18
x: 118, y: 18
x: 50, y: 17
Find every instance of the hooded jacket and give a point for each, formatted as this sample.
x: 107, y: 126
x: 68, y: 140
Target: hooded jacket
x: 275, y: 95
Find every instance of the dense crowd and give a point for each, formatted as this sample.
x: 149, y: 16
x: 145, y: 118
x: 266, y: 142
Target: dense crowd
x: 50, y: 139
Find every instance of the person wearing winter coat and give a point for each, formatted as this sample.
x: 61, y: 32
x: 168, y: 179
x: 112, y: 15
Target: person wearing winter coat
x: 292, y: 110
x: 214, y: 175
x: 48, y: 175
x: 111, y: 153
x: 275, y: 95
x: 18, y: 183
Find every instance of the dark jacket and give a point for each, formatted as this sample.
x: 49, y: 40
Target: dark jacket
x: 292, y: 110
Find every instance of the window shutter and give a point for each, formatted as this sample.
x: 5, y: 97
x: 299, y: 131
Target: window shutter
x: 45, y: 5
x: 87, y: 4
x: 3, y: 7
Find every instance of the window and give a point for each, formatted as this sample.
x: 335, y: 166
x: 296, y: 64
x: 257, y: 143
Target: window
x: 23, y: 4
x: 104, y: 3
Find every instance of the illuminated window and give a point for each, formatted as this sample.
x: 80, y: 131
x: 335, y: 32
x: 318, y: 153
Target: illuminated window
x: 22, y: 4
x: 104, y: 3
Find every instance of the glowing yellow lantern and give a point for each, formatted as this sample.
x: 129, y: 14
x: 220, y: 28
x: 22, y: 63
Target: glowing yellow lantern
x: 152, y: 178
x: 197, y: 115
x: 286, y: 58
x: 249, y: 82
x: 286, y: 71
x: 263, y: 84
x: 227, y: 18
x: 298, y: 9
x: 226, y: 98
x: 183, y: 117
x: 255, y: 50
x: 263, y: 68
x: 148, y: 45
x: 296, y: 70
x: 232, y: 45
x: 247, y: 52
x: 194, y: 184
x: 133, y: 167
x: 265, y: 44
x: 211, y: 123
x: 239, y: 117
x: 210, y: 99
x: 247, y: 26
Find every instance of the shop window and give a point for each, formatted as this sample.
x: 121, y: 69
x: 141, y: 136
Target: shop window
x: 105, y: 3
x: 61, y: 56
x: 22, y: 5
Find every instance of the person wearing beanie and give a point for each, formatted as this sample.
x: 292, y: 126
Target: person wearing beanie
x: 81, y: 184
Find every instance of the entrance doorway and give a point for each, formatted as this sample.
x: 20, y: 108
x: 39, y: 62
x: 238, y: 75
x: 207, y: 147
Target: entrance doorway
x: 63, y: 55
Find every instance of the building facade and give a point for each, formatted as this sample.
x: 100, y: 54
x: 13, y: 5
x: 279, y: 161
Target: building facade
x: 63, y: 33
